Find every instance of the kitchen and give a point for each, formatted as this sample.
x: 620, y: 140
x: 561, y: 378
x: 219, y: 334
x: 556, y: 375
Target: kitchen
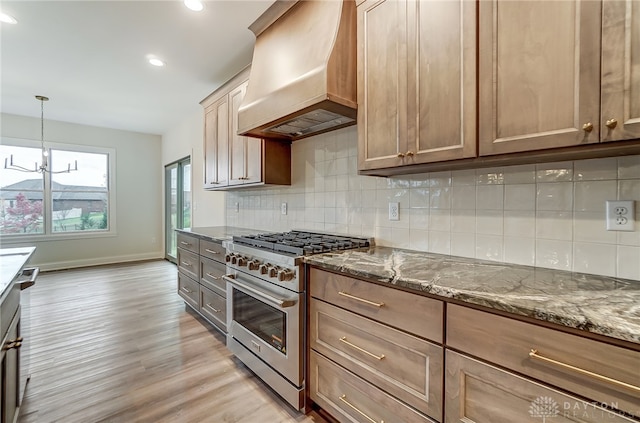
x: 547, y: 214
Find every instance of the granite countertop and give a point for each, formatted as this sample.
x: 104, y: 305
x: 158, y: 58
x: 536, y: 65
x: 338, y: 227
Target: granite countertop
x: 11, y: 262
x: 598, y: 304
x: 218, y: 233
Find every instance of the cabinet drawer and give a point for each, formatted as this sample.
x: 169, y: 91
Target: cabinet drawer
x: 213, y: 307
x: 349, y: 399
x: 211, y: 273
x: 212, y: 250
x: 479, y: 393
x: 414, y: 313
x: 189, y: 290
x: 189, y: 263
x: 406, y: 366
x: 188, y: 242
x: 508, y: 343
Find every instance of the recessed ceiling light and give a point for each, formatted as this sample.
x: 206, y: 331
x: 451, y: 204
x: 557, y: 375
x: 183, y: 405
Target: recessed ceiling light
x: 156, y: 62
x: 7, y: 19
x: 195, y: 5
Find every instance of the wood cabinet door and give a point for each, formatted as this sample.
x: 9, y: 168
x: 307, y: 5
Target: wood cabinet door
x: 382, y: 83
x: 539, y: 74
x: 11, y: 372
x: 620, y: 116
x: 442, y: 81
x: 237, y: 143
x: 216, y: 144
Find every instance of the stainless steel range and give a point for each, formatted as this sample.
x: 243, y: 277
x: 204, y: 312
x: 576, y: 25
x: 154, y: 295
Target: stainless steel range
x: 266, y: 303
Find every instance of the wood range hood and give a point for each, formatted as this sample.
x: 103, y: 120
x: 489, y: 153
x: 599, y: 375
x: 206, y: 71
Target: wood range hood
x: 303, y: 74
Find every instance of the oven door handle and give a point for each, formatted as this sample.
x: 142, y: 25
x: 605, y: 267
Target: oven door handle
x: 263, y: 295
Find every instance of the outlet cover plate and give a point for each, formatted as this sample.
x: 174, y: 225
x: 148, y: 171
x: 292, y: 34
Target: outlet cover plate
x: 283, y: 208
x: 394, y: 211
x: 620, y: 215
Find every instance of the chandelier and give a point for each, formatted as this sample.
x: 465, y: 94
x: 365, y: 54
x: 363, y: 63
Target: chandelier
x: 44, y: 167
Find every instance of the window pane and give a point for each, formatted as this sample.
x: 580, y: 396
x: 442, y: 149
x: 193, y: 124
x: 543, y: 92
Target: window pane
x: 21, y: 212
x: 80, y: 211
x: 29, y: 158
x: 186, y: 196
x: 92, y: 173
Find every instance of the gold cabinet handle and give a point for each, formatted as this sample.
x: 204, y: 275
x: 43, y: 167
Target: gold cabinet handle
x: 612, y: 123
x: 211, y: 251
x: 343, y: 398
x: 409, y: 153
x: 534, y: 354
x: 215, y: 310
x: 401, y: 155
x: 212, y: 276
x: 370, y: 354
x: 185, y: 263
x: 353, y: 297
x: 587, y: 127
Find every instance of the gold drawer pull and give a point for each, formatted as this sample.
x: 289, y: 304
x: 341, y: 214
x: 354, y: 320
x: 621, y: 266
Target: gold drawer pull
x: 344, y: 294
x: 534, y: 354
x: 185, y: 263
x: 212, y: 276
x: 215, y: 310
x: 377, y: 357
x: 343, y: 398
x: 185, y: 243
x: 211, y: 251
x: 188, y: 291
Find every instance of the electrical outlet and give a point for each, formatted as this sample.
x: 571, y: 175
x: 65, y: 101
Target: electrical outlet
x: 394, y: 211
x: 620, y: 216
x: 237, y: 207
x: 283, y: 208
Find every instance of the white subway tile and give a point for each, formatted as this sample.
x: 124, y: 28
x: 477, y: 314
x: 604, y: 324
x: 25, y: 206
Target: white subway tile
x: 463, y: 244
x: 629, y: 189
x: 401, y: 237
x: 591, y: 196
x: 490, y: 197
x: 440, y: 197
x: 463, y: 221
x: 520, y: 197
x: 629, y: 167
x: 628, y: 262
x: 490, y: 222
x: 440, y: 179
x: 490, y: 176
x: 440, y: 220
x: 554, y: 172
x: 520, y: 250
x: 463, y: 177
x: 591, y: 227
x: 595, y: 169
x: 440, y: 242
x: 419, y: 198
x: 555, y: 196
x: 463, y: 197
x: 554, y: 225
x: 520, y: 223
x: 554, y: 254
x: 419, y: 239
x: 489, y: 247
x: 594, y: 258
x: 523, y: 174
x: 418, y: 218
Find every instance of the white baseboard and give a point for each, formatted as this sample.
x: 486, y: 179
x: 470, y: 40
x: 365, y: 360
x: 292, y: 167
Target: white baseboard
x: 97, y: 261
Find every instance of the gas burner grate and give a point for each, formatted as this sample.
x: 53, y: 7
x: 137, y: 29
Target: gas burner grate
x: 301, y: 243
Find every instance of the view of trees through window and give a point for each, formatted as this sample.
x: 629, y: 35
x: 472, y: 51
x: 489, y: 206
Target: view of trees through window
x: 46, y: 203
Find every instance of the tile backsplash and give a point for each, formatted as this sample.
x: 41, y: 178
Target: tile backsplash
x: 548, y: 215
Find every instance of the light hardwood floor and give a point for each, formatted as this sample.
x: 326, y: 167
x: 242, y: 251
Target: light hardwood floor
x: 116, y: 344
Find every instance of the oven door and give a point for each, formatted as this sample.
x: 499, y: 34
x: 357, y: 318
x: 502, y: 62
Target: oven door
x: 267, y: 320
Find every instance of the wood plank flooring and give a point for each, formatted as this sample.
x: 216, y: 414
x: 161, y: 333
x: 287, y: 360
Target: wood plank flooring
x: 117, y: 344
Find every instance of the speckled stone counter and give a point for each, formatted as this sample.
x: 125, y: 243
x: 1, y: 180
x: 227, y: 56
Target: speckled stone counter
x: 598, y: 304
x: 218, y: 233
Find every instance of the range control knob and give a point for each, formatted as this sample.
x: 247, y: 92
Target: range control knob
x: 273, y: 271
x: 242, y: 261
x: 234, y: 259
x: 264, y: 268
x: 227, y: 258
x: 285, y: 275
x: 253, y: 264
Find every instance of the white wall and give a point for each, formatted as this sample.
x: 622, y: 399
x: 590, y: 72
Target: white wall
x: 186, y: 139
x: 139, y: 200
x: 548, y: 215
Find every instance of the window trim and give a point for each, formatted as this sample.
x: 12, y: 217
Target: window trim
x: 49, y: 235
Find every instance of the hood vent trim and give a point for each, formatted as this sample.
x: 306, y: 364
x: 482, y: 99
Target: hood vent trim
x: 303, y: 74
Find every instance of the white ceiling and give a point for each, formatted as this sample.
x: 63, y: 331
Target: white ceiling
x: 89, y: 58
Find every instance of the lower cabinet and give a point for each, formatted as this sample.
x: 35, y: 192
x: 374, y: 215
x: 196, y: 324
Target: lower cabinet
x: 9, y: 369
x: 349, y: 398
x: 200, y: 270
x: 476, y: 392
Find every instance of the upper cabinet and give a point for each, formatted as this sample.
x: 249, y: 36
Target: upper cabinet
x: 231, y: 160
x: 416, y: 82
x: 620, y: 116
x: 546, y: 80
x: 539, y: 75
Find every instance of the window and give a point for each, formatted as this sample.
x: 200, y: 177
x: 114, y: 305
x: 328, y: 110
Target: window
x: 177, y: 182
x: 63, y: 204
